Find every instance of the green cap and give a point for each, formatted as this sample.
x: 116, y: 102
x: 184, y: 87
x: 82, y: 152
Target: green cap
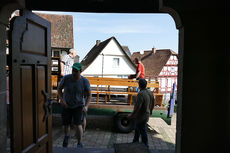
x: 77, y: 66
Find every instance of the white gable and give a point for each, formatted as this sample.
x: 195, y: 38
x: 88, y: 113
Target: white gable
x: 111, y: 62
x: 112, y: 48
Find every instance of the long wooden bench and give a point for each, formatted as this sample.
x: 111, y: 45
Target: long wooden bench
x: 104, y: 86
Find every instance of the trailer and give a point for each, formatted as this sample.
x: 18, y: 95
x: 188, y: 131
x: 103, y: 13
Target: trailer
x: 113, y: 96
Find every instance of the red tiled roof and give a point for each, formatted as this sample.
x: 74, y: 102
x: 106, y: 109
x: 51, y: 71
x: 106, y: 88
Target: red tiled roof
x: 154, y: 63
x: 61, y: 30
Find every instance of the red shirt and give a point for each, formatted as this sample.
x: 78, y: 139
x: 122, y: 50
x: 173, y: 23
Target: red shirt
x: 141, y: 68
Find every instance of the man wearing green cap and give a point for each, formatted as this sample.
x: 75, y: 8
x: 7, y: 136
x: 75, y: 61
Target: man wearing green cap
x: 76, y: 90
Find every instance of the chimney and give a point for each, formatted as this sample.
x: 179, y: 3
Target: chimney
x: 98, y: 42
x: 154, y: 50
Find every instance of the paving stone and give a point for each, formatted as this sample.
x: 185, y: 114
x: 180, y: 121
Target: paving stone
x: 161, y: 137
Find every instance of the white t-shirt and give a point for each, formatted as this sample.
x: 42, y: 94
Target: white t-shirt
x: 68, y: 63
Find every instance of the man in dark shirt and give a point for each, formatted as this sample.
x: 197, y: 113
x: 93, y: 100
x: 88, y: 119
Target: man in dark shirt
x: 72, y: 90
x: 142, y: 110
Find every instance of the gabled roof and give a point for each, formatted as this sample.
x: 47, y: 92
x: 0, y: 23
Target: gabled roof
x: 97, y: 49
x: 154, y: 63
x: 61, y: 29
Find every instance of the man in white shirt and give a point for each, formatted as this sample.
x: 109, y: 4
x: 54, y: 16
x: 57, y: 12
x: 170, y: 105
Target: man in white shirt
x: 67, y: 62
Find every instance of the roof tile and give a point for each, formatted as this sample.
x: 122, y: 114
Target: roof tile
x: 61, y: 30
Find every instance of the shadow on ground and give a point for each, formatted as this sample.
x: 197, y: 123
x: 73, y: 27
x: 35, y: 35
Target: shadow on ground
x: 101, y: 138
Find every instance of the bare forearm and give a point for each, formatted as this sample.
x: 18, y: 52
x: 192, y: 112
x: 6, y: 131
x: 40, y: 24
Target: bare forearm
x: 88, y: 99
x: 62, y: 68
x: 60, y: 94
x: 138, y: 74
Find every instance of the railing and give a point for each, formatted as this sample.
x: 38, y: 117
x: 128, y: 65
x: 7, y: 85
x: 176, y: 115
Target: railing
x: 123, y: 86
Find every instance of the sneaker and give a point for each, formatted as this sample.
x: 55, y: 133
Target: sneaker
x: 79, y: 145
x: 65, y: 141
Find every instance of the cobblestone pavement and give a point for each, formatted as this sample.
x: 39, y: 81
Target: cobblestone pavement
x: 161, y: 136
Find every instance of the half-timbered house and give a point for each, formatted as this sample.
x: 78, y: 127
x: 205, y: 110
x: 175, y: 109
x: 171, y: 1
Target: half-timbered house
x: 160, y: 65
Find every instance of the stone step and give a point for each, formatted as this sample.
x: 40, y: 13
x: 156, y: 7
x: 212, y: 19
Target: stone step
x: 82, y: 150
x: 97, y: 150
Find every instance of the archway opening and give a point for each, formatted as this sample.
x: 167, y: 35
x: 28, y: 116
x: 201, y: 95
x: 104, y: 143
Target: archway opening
x: 123, y: 31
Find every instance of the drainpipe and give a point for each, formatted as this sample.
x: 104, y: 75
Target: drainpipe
x: 102, y: 64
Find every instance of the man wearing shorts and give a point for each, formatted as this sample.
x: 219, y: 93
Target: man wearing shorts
x: 71, y: 93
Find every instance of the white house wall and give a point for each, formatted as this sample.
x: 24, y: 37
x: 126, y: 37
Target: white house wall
x: 105, y: 61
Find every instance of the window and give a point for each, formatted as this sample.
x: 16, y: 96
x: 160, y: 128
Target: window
x: 55, y: 53
x: 172, y: 69
x: 116, y: 62
x: 54, y: 62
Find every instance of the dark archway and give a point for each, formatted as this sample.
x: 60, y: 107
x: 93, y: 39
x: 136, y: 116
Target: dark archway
x: 203, y: 48
x: 155, y: 7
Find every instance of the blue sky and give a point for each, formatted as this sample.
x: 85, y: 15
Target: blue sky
x: 137, y: 31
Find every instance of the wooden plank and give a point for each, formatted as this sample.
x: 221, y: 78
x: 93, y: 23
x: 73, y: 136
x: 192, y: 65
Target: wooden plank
x: 41, y: 100
x: 119, y: 82
x: 121, y: 92
x: 27, y: 106
x: 119, y: 108
x: 106, y: 84
x: 115, y: 92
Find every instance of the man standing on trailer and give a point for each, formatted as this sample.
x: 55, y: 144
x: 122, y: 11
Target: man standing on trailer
x: 140, y: 71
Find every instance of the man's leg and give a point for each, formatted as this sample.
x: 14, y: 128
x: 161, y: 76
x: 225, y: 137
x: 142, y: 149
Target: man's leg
x: 66, y: 137
x: 137, y: 133
x: 66, y: 120
x: 84, y: 121
x: 79, y: 133
x: 78, y: 114
x: 67, y: 130
x: 83, y: 127
x: 143, y: 132
x: 84, y: 124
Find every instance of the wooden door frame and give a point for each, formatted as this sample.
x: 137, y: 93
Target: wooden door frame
x: 5, y: 12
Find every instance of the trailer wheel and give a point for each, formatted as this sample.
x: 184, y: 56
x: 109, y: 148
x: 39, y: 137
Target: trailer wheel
x: 122, y: 124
